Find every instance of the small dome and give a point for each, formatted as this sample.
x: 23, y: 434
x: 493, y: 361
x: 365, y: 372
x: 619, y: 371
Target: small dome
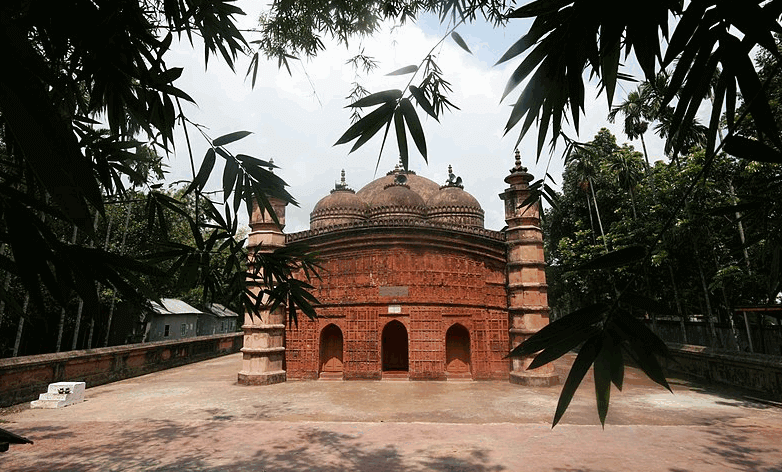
x: 341, y: 206
x: 340, y: 199
x: 453, y: 197
x: 451, y: 204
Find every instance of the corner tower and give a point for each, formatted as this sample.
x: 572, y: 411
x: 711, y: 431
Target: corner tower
x: 527, y: 289
x: 263, y: 354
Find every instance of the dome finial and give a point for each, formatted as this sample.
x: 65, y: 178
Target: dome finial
x: 271, y: 165
x: 453, y: 180
x: 518, y: 167
x: 400, y: 166
x: 342, y: 184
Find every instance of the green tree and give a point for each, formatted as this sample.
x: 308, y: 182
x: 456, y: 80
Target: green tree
x: 61, y: 168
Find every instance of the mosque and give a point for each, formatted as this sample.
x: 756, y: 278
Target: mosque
x: 412, y: 287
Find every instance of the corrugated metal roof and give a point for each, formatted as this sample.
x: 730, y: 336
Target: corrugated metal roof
x: 173, y: 305
x: 220, y: 311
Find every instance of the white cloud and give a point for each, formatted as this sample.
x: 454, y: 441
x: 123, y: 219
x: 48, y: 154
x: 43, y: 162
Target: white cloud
x: 296, y: 120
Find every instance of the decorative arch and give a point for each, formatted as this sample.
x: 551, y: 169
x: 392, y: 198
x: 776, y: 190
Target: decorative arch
x: 457, y: 351
x: 330, y: 360
x: 394, y: 347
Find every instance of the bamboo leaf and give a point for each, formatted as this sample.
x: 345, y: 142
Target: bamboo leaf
x: 203, y: 173
x: 533, y: 60
x: 602, y: 371
x: 230, y: 171
x: 634, y: 331
x: 369, y: 133
x: 586, y: 356
x: 401, y: 136
x: 647, y: 362
x: 538, y: 8
x: 230, y: 137
x: 568, y: 325
x: 380, y: 115
x: 420, y: 98
x: 414, y: 125
x: 460, y: 41
x: 751, y: 150
x: 563, y: 345
x: 404, y: 70
x: 377, y: 98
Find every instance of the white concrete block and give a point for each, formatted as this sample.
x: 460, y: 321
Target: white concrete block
x: 60, y: 394
x: 47, y: 404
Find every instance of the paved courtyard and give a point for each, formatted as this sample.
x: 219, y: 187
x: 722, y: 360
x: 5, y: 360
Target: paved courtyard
x: 197, y: 418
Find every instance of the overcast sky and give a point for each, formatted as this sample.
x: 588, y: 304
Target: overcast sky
x: 296, y: 119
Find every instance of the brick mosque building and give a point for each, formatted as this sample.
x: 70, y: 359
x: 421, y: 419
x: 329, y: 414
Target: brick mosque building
x: 413, y: 286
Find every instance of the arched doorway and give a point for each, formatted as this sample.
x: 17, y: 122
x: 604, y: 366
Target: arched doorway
x: 394, y: 347
x: 331, y: 352
x: 457, y: 352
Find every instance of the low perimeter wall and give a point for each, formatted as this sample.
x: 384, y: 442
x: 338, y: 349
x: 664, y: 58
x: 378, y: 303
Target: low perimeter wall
x: 24, y: 378
x: 759, y: 372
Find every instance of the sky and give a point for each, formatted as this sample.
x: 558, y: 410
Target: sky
x: 296, y: 119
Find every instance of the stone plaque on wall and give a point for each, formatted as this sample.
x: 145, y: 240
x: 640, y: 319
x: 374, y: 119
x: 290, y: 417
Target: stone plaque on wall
x: 393, y: 291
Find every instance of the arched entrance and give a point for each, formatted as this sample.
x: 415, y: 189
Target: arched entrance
x: 394, y: 347
x: 331, y: 352
x: 457, y: 352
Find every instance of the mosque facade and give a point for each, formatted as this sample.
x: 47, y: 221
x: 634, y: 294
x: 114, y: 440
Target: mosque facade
x: 413, y: 286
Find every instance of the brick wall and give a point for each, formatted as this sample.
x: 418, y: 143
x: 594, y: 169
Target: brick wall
x: 23, y: 378
x: 426, y: 279
x: 759, y: 372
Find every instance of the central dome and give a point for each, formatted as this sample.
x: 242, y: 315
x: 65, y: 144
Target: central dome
x: 400, y: 195
x: 420, y: 185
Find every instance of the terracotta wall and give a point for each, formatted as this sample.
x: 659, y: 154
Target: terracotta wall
x: 759, y: 372
x: 23, y: 378
x: 427, y: 285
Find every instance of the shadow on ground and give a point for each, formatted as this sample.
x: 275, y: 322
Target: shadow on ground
x: 313, y: 449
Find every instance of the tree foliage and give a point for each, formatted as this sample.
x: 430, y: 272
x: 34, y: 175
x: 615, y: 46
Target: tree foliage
x: 60, y: 167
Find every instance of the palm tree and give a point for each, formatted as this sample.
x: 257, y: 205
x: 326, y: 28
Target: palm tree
x: 635, y: 110
x: 625, y: 167
x: 587, y: 168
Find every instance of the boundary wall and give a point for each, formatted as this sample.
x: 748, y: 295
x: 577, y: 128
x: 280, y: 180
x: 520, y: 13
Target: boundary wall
x: 758, y: 372
x: 23, y: 378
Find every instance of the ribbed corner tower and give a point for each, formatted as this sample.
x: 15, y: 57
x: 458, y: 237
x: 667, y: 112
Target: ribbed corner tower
x: 263, y: 354
x: 528, y: 309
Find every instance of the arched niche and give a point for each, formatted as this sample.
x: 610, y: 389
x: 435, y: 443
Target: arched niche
x: 331, y: 350
x: 457, y: 351
x: 394, y: 347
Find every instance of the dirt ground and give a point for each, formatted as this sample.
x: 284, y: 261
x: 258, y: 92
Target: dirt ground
x: 198, y: 418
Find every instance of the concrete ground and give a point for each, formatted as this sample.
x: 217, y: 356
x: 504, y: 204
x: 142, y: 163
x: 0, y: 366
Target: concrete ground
x: 197, y: 418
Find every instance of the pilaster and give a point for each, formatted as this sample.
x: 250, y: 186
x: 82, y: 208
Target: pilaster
x: 263, y: 354
x: 528, y: 309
